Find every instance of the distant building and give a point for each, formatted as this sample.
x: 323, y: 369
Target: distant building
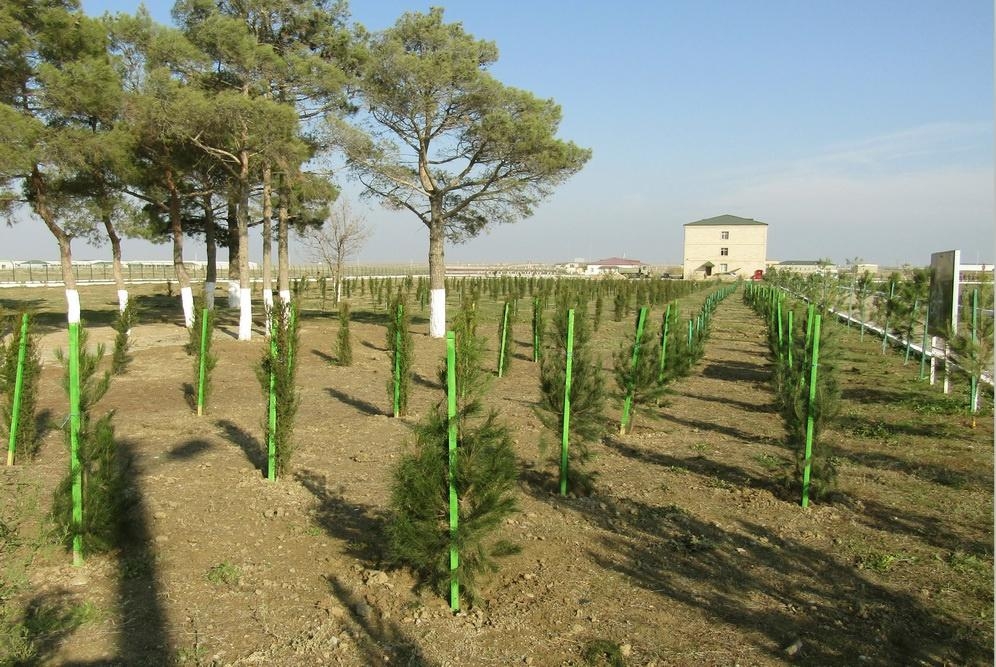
x: 806, y: 267
x: 726, y: 245
x: 613, y: 265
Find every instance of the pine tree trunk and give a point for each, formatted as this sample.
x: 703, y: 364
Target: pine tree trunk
x: 211, y: 274
x: 437, y: 273
x: 283, y: 266
x: 176, y: 229
x: 39, y: 203
x: 234, y: 251
x: 245, y: 295
x: 267, y: 245
x: 116, y: 261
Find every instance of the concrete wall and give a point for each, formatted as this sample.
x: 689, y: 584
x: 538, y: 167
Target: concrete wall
x: 747, y: 248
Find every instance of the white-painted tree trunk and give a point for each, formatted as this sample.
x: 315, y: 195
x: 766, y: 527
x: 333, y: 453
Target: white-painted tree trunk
x: 245, y: 314
x: 437, y: 313
x: 267, y: 308
x: 933, y: 356
x: 285, y: 296
x: 123, y: 303
x: 233, y: 294
x: 187, y: 299
x: 73, y: 306
x: 209, y: 295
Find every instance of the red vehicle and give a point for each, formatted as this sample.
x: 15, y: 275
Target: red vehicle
x: 758, y: 275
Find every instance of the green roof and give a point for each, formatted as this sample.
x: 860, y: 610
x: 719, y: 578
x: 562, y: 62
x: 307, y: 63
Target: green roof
x: 725, y: 221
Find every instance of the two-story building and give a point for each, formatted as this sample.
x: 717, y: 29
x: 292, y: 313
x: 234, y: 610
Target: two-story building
x: 726, y: 245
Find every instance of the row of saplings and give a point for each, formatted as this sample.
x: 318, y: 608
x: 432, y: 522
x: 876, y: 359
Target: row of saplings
x: 485, y: 470
x: 806, y: 355
x: 449, y: 551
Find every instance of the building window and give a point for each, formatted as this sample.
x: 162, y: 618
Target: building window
x: 724, y: 268
x: 724, y: 235
x: 724, y: 251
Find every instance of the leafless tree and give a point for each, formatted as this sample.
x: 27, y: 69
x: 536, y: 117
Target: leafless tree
x: 339, y: 238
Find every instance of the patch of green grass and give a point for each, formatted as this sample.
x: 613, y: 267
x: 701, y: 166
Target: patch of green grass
x: 224, y: 574
x: 603, y: 652
x: 700, y: 449
x: 313, y: 531
x: 768, y: 461
x: 880, y: 561
x: 43, y: 624
x: 941, y: 404
x: 965, y: 563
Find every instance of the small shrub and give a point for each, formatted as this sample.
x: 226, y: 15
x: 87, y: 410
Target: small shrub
x: 224, y: 574
x: 343, y: 341
x: 603, y: 652
x: 400, y: 346
x: 588, y: 423
x: 103, y: 473
x: 639, y: 383
x: 28, y: 439
x: 418, y: 531
x: 210, y: 357
x: 121, y: 356
x: 283, y: 367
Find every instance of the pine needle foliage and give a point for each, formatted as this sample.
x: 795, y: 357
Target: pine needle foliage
x: 343, y: 340
x: 791, y: 384
x: 639, y: 381
x: 505, y: 327
x: 418, y: 529
x: 121, y: 355
x: 401, y: 349
x: 194, y: 349
x: 588, y: 424
x: 794, y: 409
x: 974, y: 356
x: 539, y: 325
x: 619, y: 303
x: 104, y: 479
x: 27, y: 429
x: 283, y: 366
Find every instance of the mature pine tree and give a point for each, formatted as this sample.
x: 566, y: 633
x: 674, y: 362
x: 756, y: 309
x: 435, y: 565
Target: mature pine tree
x: 59, y: 91
x: 480, y: 152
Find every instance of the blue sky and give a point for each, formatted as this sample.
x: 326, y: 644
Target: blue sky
x: 854, y: 129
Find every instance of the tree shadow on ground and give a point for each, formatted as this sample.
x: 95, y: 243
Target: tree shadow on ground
x: 380, y: 641
x: 365, y: 407
x: 761, y: 406
x: 143, y: 637
x: 878, y: 428
x: 49, y: 619
x: 423, y: 381
x: 737, y: 371
x: 379, y: 318
x: 247, y: 442
x: 873, y: 395
x: 728, y: 431
x: 938, y: 531
x: 366, y: 343
x: 327, y: 358
x: 732, y: 475
x: 775, y: 588
x: 930, y: 472
x: 189, y: 449
x: 359, y: 527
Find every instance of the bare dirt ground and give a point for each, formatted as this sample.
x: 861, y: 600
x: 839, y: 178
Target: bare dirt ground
x: 688, y: 553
